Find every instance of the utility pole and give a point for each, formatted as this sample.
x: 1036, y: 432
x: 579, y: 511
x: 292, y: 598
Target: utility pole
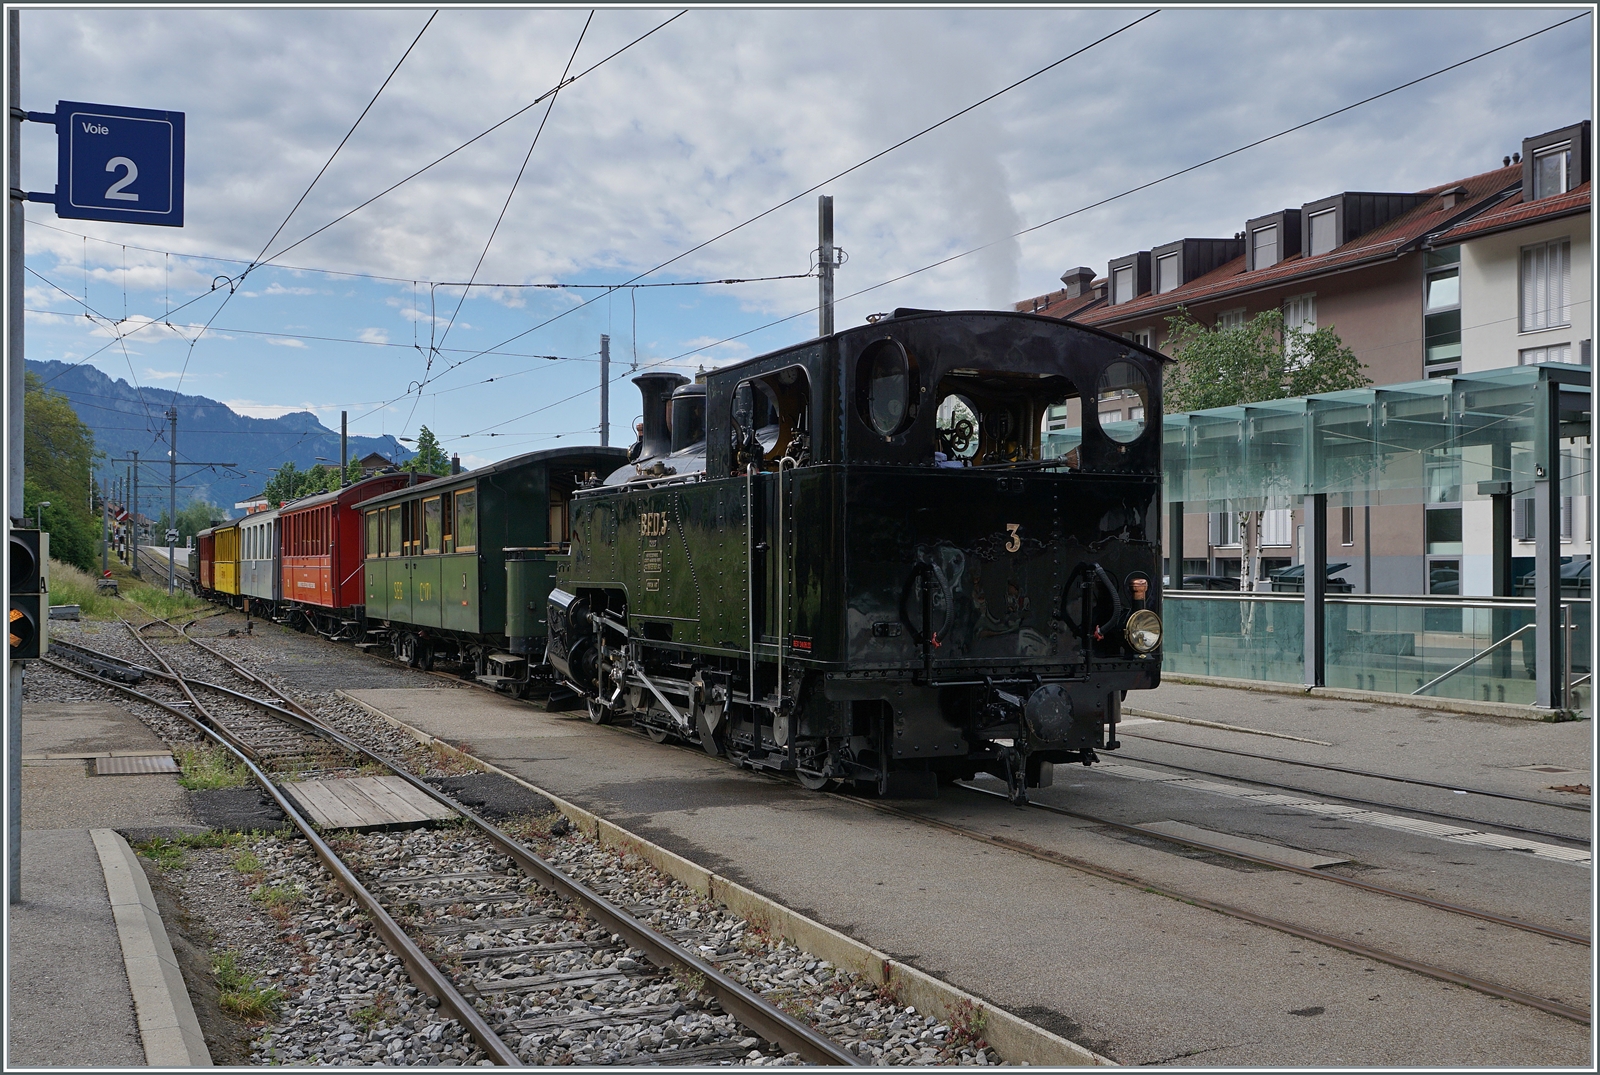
x: 825, y: 264
x: 605, y: 391
x: 105, y: 533
x: 133, y: 548
x: 172, y: 495
x: 16, y: 382
x: 344, y: 449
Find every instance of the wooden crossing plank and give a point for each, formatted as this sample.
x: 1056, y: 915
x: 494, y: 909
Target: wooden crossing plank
x: 365, y: 802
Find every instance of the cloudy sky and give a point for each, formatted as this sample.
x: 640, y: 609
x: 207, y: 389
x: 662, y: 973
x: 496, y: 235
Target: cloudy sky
x: 713, y: 119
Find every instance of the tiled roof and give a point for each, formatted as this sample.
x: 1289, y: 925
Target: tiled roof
x: 1516, y: 212
x: 1380, y: 243
x: 1070, y: 307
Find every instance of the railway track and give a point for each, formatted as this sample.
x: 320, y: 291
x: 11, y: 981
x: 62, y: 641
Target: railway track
x: 505, y: 924
x: 1479, y: 984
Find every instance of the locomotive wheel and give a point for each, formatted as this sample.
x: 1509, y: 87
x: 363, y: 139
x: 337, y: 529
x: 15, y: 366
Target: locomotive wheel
x: 656, y: 734
x: 814, y: 781
x: 598, y: 714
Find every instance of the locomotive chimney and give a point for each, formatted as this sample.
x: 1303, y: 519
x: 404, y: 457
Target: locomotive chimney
x: 455, y: 463
x: 656, y: 389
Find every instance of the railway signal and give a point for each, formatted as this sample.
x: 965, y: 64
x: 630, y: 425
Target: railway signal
x: 28, y: 622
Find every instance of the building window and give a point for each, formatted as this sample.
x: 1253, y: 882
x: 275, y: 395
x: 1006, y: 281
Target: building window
x: 1055, y: 417
x: 1135, y: 414
x: 1552, y: 170
x: 1167, y: 273
x: 1441, y: 305
x: 1347, y: 525
x: 1299, y: 318
x: 1566, y: 518
x: 1546, y: 282
x: 1224, y: 529
x: 1324, y: 233
x: 1122, y: 285
x: 1277, y: 528
x: 1443, y: 531
x: 1230, y: 319
x: 1264, y: 246
x: 1531, y: 356
x: 1140, y: 336
x: 1522, y: 518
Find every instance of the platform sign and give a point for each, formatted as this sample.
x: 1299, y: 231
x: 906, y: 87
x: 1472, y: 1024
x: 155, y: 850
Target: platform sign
x: 118, y: 163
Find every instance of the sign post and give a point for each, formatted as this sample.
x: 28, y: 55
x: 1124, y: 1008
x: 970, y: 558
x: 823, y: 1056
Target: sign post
x: 113, y: 163
x: 116, y: 163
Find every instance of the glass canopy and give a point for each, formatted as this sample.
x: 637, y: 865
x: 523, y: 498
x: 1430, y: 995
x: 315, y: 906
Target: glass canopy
x: 1421, y: 442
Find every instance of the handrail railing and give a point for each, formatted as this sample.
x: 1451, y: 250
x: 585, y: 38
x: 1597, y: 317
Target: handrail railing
x: 1474, y: 658
x: 1394, y: 600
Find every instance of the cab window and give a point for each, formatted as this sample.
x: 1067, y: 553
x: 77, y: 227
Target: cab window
x: 779, y: 417
x: 987, y: 417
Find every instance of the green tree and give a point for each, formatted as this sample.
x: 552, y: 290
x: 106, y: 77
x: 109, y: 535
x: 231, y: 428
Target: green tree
x: 58, y: 454
x: 289, y: 482
x: 1256, y: 361
x: 352, y: 469
x: 196, y: 516
x: 430, y: 458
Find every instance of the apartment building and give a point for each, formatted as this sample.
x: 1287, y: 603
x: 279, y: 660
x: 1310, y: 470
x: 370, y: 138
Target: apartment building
x: 1469, y: 275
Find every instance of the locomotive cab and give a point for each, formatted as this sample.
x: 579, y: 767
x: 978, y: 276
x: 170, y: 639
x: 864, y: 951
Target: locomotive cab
x: 907, y: 553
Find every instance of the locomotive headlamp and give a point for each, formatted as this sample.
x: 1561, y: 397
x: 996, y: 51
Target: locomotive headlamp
x: 1144, y: 630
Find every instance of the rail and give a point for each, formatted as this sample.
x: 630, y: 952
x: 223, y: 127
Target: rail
x: 767, y: 1020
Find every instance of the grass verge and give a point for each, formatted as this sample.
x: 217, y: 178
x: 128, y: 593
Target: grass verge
x: 205, y: 768
x: 240, y: 996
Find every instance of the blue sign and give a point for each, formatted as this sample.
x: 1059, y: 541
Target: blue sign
x: 117, y: 163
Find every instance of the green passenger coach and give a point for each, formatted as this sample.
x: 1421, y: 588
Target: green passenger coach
x: 442, y: 558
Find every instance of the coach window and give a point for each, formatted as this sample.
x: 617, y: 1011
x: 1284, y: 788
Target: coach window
x: 467, y: 520
x: 447, y: 506
x: 391, y: 541
x: 432, y: 520
x: 374, y: 547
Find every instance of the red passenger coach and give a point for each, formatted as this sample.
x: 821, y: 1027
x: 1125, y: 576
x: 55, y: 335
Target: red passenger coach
x: 321, y: 561
x: 207, y: 544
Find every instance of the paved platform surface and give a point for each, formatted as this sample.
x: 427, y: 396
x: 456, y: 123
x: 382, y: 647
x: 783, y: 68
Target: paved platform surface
x: 70, y: 1001
x: 1132, y: 975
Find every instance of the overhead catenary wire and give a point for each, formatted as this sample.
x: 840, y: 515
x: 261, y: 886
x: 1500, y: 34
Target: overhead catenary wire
x: 305, y: 194
x: 836, y: 176
x: 1125, y: 193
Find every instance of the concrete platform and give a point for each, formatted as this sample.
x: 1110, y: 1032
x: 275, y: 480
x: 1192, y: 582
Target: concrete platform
x: 92, y: 982
x: 1128, y: 974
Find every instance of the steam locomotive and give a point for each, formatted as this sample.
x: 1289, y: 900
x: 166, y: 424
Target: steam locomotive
x: 865, y: 560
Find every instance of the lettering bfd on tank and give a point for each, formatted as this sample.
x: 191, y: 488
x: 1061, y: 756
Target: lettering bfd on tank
x: 652, y: 523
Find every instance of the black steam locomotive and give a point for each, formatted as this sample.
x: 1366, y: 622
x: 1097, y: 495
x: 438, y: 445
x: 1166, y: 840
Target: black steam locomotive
x: 865, y: 559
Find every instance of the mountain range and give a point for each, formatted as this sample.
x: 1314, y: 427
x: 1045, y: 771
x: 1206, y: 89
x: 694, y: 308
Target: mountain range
x: 126, y: 418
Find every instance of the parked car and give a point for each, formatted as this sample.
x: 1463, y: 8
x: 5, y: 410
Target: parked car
x: 1576, y: 576
x: 1211, y: 582
x: 1293, y: 580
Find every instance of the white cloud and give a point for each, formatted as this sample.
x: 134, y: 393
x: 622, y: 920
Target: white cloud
x: 162, y: 375
x: 276, y: 288
x: 285, y: 342
x: 374, y: 335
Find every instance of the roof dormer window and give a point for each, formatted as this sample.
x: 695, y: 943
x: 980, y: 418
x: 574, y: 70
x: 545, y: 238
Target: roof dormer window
x: 1168, y: 273
x: 1122, y: 284
x: 1552, y: 168
x: 1324, y: 231
x: 1555, y: 162
x: 1129, y: 276
x: 1264, y: 246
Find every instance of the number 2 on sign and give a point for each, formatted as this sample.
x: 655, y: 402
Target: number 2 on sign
x: 115, y: 192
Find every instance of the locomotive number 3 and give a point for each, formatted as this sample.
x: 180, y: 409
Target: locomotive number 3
x: 652, y: 523
x: 1013, y: 542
